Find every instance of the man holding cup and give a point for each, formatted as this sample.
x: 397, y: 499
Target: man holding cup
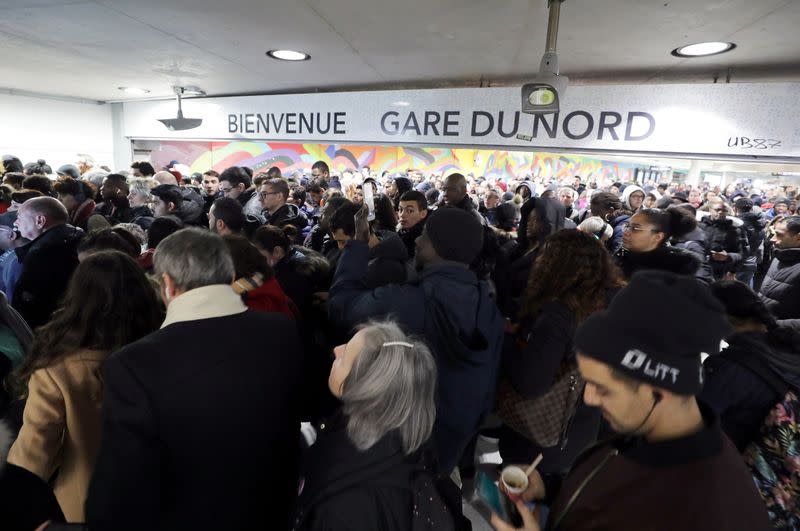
x: 672, y: 466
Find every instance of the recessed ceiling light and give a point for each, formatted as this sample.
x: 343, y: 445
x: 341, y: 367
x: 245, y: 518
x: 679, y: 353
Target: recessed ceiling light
x: 703, y: 49
x: 288, y: 55
x: 134, y: 90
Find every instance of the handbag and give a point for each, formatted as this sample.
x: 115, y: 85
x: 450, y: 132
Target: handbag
x: 545, y: 419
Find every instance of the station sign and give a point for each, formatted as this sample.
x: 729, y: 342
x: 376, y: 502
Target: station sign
x: 723, y: 120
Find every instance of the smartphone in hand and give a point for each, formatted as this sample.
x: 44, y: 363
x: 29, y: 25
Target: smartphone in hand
x: 369, y: 199
x: 495, y: 500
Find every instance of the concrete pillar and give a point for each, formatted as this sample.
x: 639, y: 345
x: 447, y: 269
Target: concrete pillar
x: 123, y: 148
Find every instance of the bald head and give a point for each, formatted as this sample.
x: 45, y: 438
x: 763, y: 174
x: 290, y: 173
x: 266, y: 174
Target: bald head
x: 165, y: 177
x: 38, y: 215
x: 455, y: 188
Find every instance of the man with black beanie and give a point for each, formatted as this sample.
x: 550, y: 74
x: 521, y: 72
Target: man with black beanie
x: 449, y: 307
x: 672, y: 467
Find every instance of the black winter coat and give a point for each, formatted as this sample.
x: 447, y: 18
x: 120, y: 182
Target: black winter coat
x: 468, y: 363
x: 388, y: 261
x: 199, y: 430
x: 47, y: 265
x: 116, y: 210
x: 737, y: 394
x: 409, y: 237
x: 301, y: 275
x: 288, y: 214
x: 723, y: 235
x: 532, y: 371
x: 780, y: 290
x: 344, y: 489
x: 663, y: 258
x: 695, y: 243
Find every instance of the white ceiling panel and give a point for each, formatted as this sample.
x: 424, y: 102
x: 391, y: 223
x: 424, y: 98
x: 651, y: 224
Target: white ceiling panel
x: 90, y: 48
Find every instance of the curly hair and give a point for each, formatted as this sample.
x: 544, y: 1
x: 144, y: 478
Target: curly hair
x: 574, y: 268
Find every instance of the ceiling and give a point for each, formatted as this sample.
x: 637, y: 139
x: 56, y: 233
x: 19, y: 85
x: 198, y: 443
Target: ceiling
x: 87, y: 49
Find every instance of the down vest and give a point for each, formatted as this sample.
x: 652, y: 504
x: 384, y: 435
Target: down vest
x: 780, y: 290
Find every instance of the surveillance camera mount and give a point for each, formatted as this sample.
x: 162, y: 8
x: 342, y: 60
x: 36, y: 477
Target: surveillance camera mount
x: 180, y: 123
x: 543, y: 95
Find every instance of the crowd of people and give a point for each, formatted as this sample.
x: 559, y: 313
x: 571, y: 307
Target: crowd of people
x: 163, y: 337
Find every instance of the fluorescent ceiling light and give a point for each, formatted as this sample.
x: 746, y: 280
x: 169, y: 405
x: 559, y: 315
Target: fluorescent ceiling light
x: 134, y: 90
x: 401, y: 104
x: 703, y: 49
x: 288, y: 55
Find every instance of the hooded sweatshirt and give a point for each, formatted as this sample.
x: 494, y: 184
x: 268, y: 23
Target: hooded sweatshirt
x: 529, y: 185
x: 626, y: 195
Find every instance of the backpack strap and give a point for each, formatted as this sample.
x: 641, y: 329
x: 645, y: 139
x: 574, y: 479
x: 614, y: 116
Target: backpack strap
x: 760, y: 368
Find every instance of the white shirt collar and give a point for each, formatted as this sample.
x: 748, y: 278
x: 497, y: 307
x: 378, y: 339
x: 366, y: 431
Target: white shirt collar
x: 207, y: 302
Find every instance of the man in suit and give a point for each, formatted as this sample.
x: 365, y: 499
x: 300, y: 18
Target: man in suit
x: 199, y: 430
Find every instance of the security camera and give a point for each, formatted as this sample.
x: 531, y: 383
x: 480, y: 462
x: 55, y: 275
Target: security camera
x: 542, y: 96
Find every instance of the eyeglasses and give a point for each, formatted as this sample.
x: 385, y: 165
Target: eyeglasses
x: 634, y: 228
x: 264, y: 195
x: 225, y: 190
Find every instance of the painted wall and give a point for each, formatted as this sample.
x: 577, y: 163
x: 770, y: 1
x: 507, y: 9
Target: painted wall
x: 201, y: 156
x: 38, y: 128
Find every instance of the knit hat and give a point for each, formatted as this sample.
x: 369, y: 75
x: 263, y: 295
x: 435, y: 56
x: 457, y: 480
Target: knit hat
x: 782, y: 201
x: 169, y: 193
x: 655, y: 329
x: 70, y: 170
x: 506, y: 216
x: 456, y: 234
x: 508, y: 196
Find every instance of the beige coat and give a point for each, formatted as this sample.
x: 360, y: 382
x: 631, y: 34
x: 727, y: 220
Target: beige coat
x: 61, y: 430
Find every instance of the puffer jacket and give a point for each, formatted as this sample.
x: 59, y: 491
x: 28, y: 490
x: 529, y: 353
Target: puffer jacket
x: 618, y: 224
x: 780, y: 290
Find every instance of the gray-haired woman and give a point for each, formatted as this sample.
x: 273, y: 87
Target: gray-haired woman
x: 358, y: 475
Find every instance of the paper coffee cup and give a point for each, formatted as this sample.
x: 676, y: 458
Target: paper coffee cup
x: 514, y: 481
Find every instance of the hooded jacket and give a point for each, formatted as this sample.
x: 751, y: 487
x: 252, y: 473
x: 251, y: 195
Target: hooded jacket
x: 780, y: 290
x: 388, y: 261
x: 47, y: 265
x: 511, y: 286
x: 724, y: 235
x: 626, y: 196
x: 288, y: 214
x: 740, y: 396
x: 452, y: 310
x: 529, y: 185
x: 664, y: 258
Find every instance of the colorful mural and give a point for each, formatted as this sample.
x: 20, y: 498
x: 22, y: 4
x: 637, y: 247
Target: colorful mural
x: 201, y: 156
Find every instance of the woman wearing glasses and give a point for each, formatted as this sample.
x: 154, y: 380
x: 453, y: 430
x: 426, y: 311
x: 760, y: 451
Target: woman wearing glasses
x: 645, y: 242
